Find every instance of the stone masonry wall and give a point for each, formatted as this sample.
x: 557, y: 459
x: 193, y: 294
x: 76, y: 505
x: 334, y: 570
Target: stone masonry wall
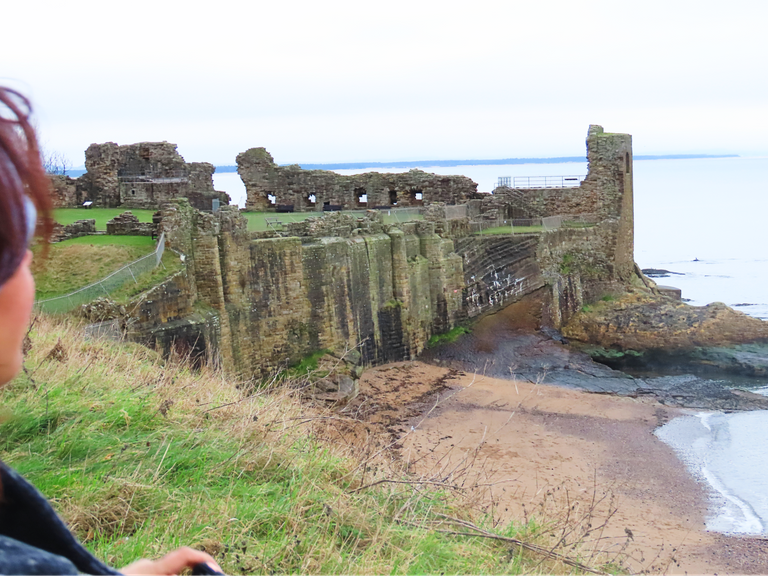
x: 77, y: 229
x: 606, y: 193
x: 126, y: 224
x: 64, y: 192
x: 268, y: 185
x: 145, y: 175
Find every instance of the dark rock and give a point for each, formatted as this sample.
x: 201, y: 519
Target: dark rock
x: 659, y: 273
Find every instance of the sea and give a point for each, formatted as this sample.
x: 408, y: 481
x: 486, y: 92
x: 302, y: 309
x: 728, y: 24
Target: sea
x: 705, y: 222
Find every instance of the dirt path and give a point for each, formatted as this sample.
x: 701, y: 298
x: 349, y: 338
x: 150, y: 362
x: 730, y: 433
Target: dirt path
x: 553, y: 449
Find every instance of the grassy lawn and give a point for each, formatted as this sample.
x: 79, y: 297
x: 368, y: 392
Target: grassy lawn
x: 257, y: 222
x: 510, y: 230
x: 75, y: 263
x: 66, y: 216
x: 141, y: 455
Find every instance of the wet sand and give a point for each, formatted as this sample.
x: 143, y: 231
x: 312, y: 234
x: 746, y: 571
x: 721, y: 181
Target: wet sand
x: 551, y: 449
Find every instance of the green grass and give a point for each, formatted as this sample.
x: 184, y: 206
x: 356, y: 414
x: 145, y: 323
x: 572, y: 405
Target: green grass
x: 143, y: 242
x: 257, y: 222
x: 141, y: 455
x: 72, y: 264
x: 448, y: 337
x: 511, y: 230
x: 169, y: 265
x: 66, y: 216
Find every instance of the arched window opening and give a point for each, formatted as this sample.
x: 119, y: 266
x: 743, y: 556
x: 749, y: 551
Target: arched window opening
x: 311, y: 200
x: 627, y: 164
x: 393, y: 197
x: 361, y: 197
x: 272, y: 199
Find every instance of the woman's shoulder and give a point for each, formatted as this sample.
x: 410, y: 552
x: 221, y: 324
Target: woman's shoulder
x: 19, y: 558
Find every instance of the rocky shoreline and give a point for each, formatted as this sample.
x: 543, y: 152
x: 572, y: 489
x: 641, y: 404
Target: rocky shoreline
x: 669, y: 346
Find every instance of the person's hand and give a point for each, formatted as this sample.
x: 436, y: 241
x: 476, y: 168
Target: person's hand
x: 172, y: 563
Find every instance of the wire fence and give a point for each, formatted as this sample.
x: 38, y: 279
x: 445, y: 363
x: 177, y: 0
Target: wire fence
x: 533, y: 225
x: 105, y: 286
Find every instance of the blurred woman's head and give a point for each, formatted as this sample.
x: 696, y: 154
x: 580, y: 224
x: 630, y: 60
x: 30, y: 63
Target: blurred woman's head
x: 24, y: 193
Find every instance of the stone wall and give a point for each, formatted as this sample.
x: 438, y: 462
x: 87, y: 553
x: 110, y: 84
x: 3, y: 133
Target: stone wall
x: 77, y: 229
x: 64, y: 191
x: 606, y: 193
x: 144, y: 175
x: 126, y: 224
x: 269, y: 185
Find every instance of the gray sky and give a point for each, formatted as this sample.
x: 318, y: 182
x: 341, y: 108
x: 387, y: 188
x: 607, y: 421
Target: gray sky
x: 399, y: 80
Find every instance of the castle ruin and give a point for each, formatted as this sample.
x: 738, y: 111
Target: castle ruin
x: 269, y: 186
x: 258, y: 301
x: 143, y: 175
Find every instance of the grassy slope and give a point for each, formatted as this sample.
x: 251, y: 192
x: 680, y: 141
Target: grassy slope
x: 76, y: 263
x: 141, y: 456
x: 66, y: 216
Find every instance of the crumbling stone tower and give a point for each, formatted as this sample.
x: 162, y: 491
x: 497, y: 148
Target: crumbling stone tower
x: 609, y: 180
x: 145, y: 175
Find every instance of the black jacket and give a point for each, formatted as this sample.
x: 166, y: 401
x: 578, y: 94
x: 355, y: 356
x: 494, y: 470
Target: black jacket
x: 33, y: 539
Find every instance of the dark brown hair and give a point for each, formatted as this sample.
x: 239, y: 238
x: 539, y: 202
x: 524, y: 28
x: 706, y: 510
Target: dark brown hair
x: 21, y: 174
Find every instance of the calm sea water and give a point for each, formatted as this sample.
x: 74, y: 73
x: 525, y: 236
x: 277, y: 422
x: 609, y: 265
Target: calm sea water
x: 707, y: 221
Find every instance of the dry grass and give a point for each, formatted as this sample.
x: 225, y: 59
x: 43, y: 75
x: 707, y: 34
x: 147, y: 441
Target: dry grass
x: 141, y: 455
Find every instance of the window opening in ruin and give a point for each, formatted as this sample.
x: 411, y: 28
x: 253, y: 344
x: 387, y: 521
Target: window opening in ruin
x: 393, y: 197
x: 272, y: 199
x: 327, y: 203
x: 417, y: 197
x: 311, y: 199
x: 362, y: 198
x: 133, y: 192
x: 626, y: 162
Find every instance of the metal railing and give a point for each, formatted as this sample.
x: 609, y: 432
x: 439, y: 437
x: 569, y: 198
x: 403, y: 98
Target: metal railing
x: 105, y: 286
x: 534, y: 225
x: 539, y: 181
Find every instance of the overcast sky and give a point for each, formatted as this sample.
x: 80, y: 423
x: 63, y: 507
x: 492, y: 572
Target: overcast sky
x: 326, y: 81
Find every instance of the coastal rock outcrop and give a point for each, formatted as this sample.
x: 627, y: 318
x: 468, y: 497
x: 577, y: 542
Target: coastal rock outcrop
x: 642, y: 330
x: 640, y: 321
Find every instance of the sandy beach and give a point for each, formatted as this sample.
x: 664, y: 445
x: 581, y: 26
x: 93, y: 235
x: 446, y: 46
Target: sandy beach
x: 565, y: 452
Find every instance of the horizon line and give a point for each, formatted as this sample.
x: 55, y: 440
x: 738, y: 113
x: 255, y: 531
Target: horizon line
x: 451, y: 163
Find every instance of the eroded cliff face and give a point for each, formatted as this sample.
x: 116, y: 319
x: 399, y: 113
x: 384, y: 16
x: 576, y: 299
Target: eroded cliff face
x: 341, y: 281
x: 271, y: 301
